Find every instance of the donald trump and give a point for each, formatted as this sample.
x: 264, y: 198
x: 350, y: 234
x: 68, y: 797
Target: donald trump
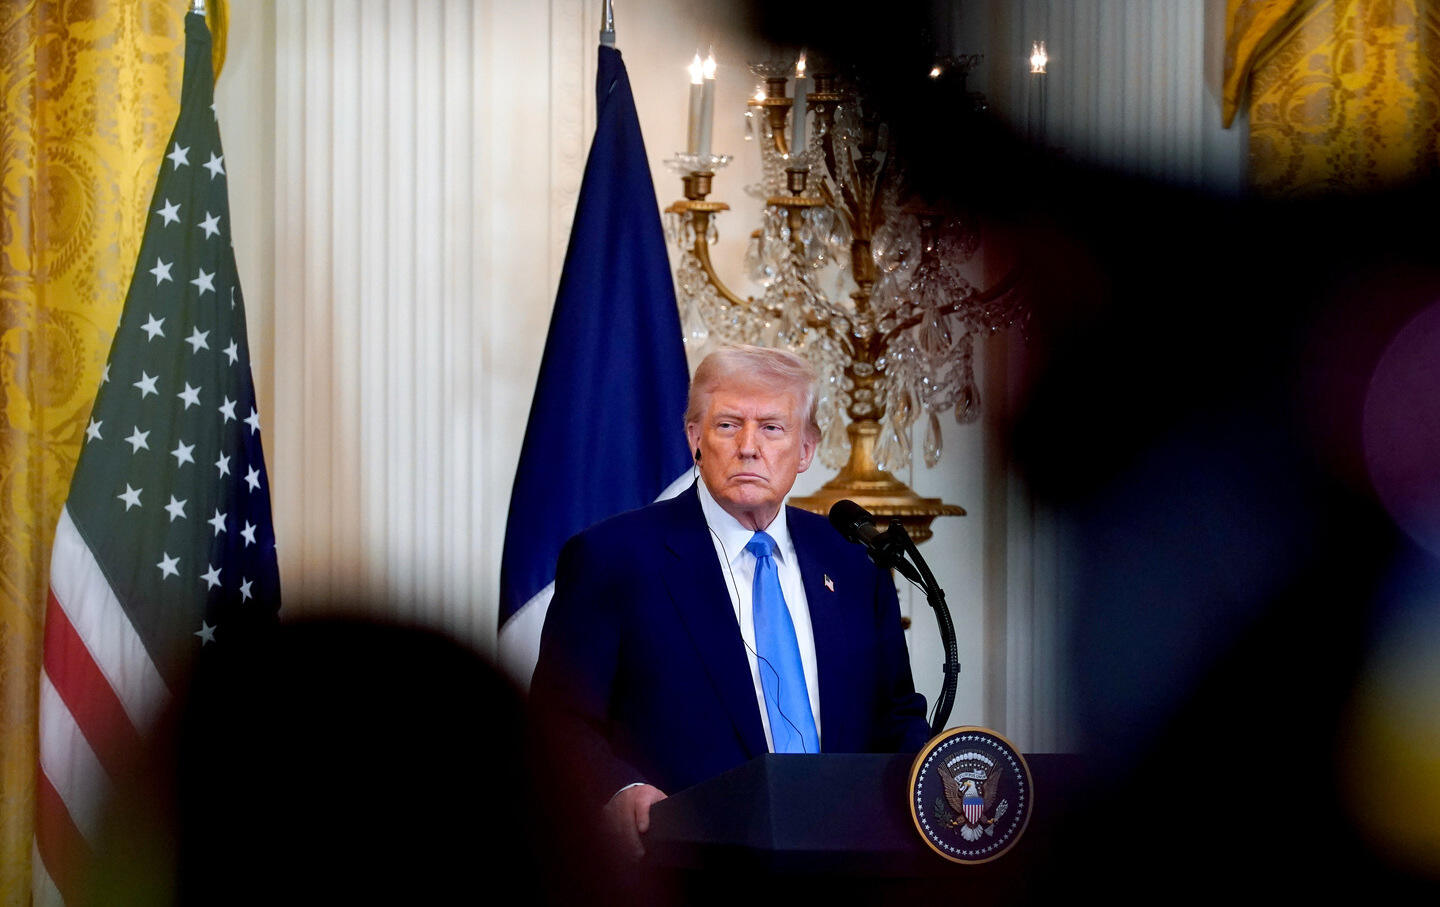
x: 692, y: 635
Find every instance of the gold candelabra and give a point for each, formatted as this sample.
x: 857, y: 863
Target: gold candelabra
x: 900, y: 340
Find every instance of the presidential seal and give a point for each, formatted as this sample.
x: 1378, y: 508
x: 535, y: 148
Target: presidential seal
x: 970, y: 794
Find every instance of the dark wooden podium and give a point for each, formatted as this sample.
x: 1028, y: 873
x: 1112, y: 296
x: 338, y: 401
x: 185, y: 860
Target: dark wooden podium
x: 836, y: 826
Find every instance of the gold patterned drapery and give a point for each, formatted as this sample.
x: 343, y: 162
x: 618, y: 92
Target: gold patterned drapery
x: 89, y: 92
x: 1343, y: 94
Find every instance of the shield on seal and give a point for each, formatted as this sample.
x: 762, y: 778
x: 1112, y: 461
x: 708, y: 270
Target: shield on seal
x: 974, y: 809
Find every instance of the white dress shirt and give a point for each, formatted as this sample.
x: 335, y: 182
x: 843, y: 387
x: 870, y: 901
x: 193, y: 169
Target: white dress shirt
x: 738, y: 566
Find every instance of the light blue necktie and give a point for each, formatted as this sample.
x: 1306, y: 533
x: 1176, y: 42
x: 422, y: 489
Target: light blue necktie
x: 782, y: 679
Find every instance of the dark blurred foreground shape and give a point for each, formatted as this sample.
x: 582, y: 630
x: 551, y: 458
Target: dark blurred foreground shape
x: 1200, y: 372
x: 333, y: 761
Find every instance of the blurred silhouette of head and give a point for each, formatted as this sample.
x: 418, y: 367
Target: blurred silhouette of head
x: 334, y: 759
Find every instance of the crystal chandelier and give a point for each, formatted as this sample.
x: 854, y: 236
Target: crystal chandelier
x: 869, y: 282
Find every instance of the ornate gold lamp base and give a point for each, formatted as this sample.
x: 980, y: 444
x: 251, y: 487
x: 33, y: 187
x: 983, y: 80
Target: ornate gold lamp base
x: 876, y: 490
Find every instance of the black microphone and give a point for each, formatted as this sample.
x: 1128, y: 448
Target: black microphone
x: 857, y: 524
x: 854, y: 522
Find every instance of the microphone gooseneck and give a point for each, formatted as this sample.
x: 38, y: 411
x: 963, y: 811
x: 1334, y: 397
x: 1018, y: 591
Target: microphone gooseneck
x: 889, y: 549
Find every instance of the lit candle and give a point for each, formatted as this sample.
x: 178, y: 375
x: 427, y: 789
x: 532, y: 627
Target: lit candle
x: 797, y: 112
x: 692, y: 137
x: 1035, y: 116
x: 1038, y: 58
x: 707, y: 105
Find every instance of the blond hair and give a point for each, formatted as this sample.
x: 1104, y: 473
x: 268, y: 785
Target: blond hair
x: 771, y: 368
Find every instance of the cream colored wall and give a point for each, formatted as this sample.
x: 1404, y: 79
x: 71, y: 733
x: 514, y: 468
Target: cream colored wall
x: 403, y: 176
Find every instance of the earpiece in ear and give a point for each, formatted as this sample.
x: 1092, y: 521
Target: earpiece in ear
x: 697, y: 455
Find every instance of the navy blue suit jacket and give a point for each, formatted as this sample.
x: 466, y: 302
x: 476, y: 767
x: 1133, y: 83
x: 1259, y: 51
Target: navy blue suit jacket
x: 643, y: 675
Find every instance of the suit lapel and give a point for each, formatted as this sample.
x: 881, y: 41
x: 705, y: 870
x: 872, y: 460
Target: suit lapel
x: 827, y: 624
x: 697, y: 587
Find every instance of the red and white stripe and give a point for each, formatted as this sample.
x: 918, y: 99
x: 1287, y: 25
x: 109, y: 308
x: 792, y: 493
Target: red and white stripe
x: 99, y: 690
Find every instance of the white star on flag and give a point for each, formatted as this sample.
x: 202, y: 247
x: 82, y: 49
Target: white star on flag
x: 232, y: 352
x: 248, y: 533
x: 211, y: 577
x: 131, y: 496
x: 179, y: 155
x: 146, y: 385
x: 245, y: 591
x: 137, y: 440
x: 252, y: 478
x: 175, y: 508
x: 161, y: 271
x: 171, y: 213
x: 204, y: 282
x: 222, y: 465
x: 211, y: 225
x: 218, y: 521
x: 152, y: 327
x: 216, y: 165
x: 206, y: 633
x: 92, y: 431
x: 182, y: 453
x: 253, y: 420
x: 168, y: 566
x: 197, y: 340
x: 191, y: 395
x: 227, y: 409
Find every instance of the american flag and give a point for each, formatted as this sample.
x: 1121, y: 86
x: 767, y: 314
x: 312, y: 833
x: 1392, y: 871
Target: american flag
x: 166, y: 547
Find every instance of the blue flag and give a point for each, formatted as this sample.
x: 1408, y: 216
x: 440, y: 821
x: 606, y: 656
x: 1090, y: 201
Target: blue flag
x: 605, y: 433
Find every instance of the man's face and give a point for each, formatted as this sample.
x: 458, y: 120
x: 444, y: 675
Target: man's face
x: 752, y: 444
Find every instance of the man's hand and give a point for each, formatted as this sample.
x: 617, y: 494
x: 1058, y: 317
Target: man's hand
x: 627, y: 817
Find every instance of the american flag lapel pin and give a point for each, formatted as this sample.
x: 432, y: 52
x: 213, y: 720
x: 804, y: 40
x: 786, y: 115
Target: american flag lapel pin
x: 829, y: 583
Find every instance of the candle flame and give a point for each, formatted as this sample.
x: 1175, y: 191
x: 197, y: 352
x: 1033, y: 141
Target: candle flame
x: 696, y: 69
x: 710, y: 65
x: 800, y: 66
x: 759, y: 94
x: 1038, y: 57
x: 934, y: 72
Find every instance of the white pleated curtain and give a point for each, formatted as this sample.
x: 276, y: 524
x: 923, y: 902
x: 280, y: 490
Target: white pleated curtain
x: 1131, y: 84
x: 420, y: 152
